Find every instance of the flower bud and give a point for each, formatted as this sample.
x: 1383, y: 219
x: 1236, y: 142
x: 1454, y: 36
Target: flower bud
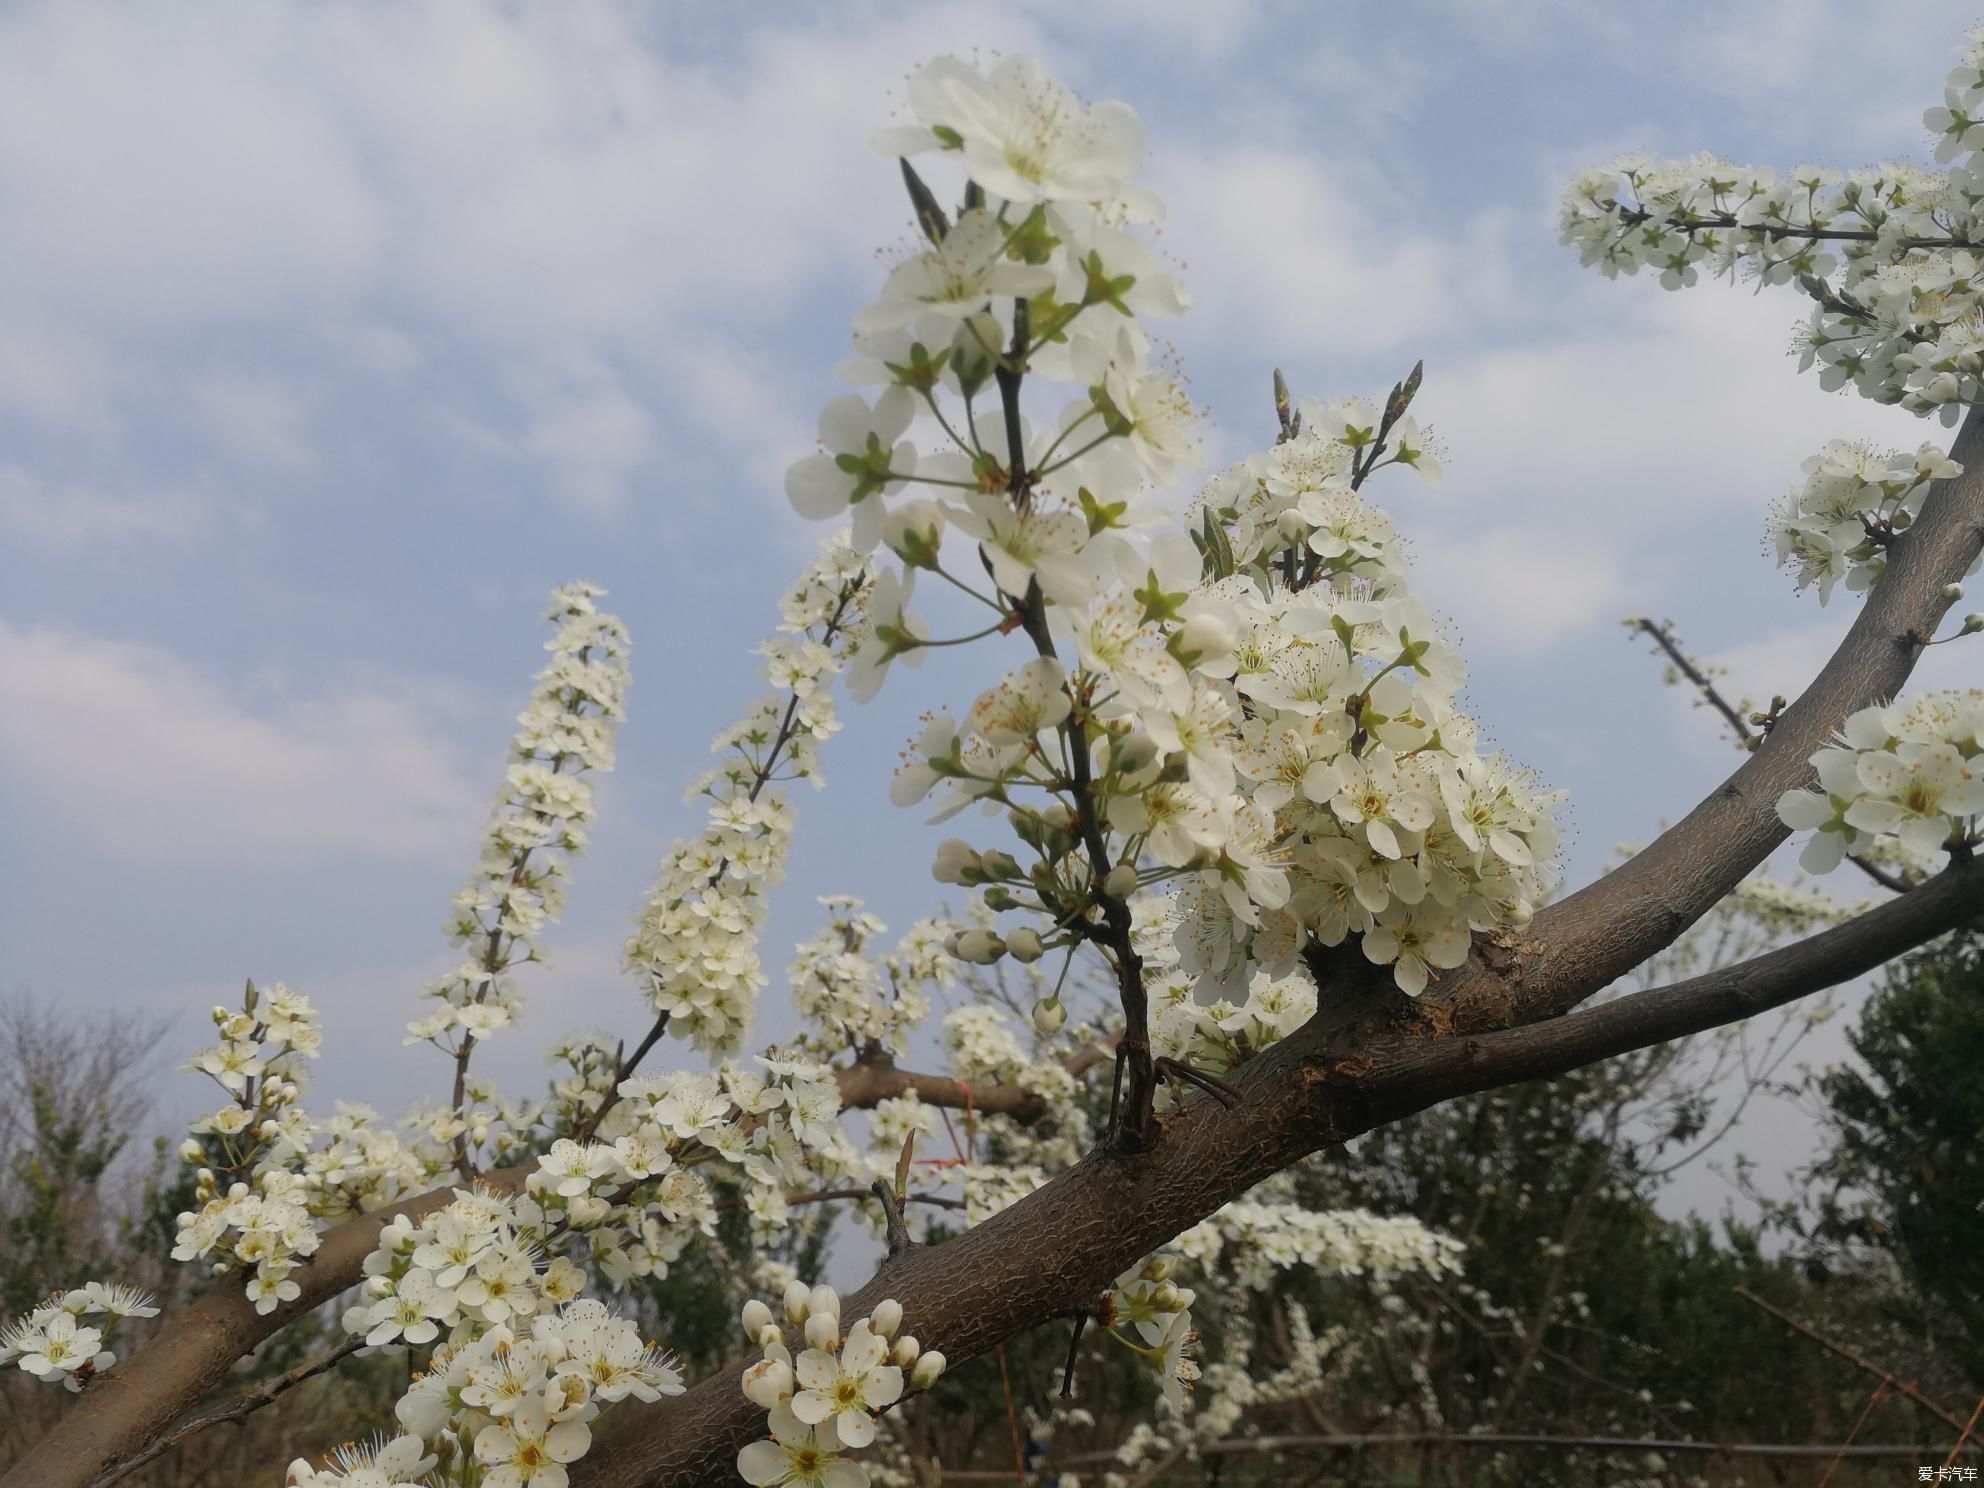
x: 1165, y: 1298
x: 823, y: 1332
x: 886, y: 1318
x: 1290, y: 527
x: 798, y: 1300
x: 585, y: 1211
x: 1049, y: 1015
x: 980, y: 947
x: 906, y: 1350
x: 757, y: 1318
x: 1520, y: 914
x: 768, y: 1383
x: 1952, y: 592
x: 914, y: 532
x: 1206, y: 638
x: 957, y: 862
x: 1025, y: 945
x: 1121, y: 881
x: 973, y: 351
x: 1134, y: 753
x: 827, y: 1300
x: 1972, y: 624
x: 928, y: 1367
x: 191, y: 1151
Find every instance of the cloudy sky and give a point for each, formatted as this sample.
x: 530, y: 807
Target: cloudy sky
x: 332, y: 336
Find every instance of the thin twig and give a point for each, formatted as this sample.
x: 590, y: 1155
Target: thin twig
x: 1663, y: 637
x: 1074, y: 1356
x: 235, y: 1410
x: 895, y: 1229
x: 1898, y: 1386
x: 1177, y: 1070
x: 1968, y: 1426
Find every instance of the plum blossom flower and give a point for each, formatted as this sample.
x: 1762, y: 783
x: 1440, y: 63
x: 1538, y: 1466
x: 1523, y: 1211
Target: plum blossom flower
x: 865, y: 457
x: 524, y: 1447
x: 799, y: 1454
x: 850, y: 1387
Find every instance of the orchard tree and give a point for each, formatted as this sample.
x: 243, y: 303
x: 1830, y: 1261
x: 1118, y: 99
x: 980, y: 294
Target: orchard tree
x: 1223, y: 769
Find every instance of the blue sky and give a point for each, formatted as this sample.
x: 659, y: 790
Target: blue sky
x: 332, y: 336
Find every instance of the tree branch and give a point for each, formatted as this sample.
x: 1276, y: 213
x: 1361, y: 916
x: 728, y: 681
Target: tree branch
x: 1589, y: 939
x: 1054, y: 1250
x: 136, y: 1404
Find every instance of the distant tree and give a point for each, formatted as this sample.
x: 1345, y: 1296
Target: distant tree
x: 1901, y: 1187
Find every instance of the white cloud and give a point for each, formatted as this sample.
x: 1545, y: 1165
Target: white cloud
x: 256, y: 418
x: 592, y: 444
x: 158, y: 763
x: 57, y: 379
x: 1288, y: 249
x: 60, y: 515
x: 1479, y: 578
x: 523, y: 187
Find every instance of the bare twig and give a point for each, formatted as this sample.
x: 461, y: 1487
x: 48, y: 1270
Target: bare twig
x: 896, y: 1230
x: 233, y: 1412
x: 1898, y: 1387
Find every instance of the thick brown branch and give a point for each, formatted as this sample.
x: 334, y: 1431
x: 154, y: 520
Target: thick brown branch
x: 1591, y: 938
x: 1056, y: 1249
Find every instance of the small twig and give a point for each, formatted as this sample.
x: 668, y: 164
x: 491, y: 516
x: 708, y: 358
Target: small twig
x: 1663, y: 637
x: 1074, y: 1356
x: 1854, y: 1359
x: 1880, y: 1394
x: 829, y: 1195
x: 1177, y: 1069
x: 622, y: 1069
x: 897, y: 1231
x: 1968, y: 1427
x: 235, y: 1410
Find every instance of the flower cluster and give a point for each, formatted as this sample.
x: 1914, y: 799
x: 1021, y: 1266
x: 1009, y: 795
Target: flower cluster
x: 259, y: 1063
x: 518, y: 1362
x: 255, y: 1209
x: 521, y: 1396
x: 696, y: 945
x: 1900, y: 323
x: 479, y: 1262
x: 1912, y: 771
x: 538, y: 823
x: 1854, y: 502
x: 837, y: 986
x: 827, y: 1398
x: 1251, y: 1240
x: 53, y: 1343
